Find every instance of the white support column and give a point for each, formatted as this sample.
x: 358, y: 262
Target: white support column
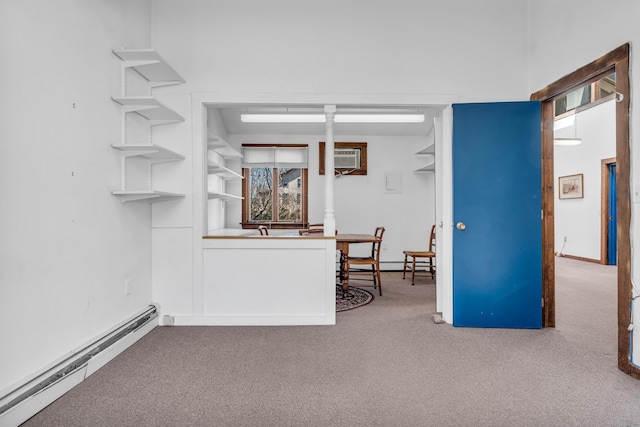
x: 329, y: 173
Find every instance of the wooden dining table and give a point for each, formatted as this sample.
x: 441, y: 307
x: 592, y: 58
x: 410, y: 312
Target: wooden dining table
x: 343, y: 241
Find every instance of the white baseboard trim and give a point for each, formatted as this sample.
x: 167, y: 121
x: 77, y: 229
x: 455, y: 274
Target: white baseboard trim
x: 29, y: 398
x: 246, y: 320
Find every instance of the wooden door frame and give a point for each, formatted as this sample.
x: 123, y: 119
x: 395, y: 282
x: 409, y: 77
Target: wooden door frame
x: 615, y: 61
x: 604, y: 209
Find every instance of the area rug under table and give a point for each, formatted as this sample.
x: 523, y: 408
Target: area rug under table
x: 353, y: 298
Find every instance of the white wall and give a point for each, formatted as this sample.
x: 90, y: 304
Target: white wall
x: 67, y: 244
x: 356, y: 47
x: 565, y: 36
x: 579, y: 219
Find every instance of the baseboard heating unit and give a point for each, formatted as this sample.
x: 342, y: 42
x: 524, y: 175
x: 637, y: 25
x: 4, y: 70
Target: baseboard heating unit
x: 34, y: 394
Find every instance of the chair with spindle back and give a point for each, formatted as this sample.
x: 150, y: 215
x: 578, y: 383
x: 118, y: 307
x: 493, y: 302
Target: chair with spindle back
x: 368, y: 264
x: 421, y: 258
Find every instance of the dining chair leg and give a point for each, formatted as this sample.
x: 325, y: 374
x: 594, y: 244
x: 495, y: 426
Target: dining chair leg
x: 413, y: 271
x: 379, y: 280
x: 431, y: 269
x: 373, y: 271
x: 404, y: 268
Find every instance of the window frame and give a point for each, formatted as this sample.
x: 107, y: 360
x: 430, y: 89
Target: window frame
x: 246, y: 196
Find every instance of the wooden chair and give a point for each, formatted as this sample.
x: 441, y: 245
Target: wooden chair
x: 264, y: 231
x: 308, y: 231
x: 359, y: 264
x: 312, y: 229
x: 421, y: 259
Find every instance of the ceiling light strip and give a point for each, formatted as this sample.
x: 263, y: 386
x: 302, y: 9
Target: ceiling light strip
x: 339, y: 118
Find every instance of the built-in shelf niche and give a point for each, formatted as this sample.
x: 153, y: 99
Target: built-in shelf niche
x: 429, y: 153
x: 219, y: 151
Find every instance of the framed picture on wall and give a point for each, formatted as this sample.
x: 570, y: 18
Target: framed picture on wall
x: 570, y: 187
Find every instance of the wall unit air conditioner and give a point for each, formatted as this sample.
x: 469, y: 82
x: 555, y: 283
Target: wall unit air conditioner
x: 347, y: 158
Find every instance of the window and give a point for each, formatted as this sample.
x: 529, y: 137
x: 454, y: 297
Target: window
x: 275, y: 186
x: 589, y: 94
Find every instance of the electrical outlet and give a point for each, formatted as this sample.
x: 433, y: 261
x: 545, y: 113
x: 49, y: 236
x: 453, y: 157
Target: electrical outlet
x: 127, y: 286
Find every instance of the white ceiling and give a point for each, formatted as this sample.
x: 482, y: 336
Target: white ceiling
x: 231, y: 119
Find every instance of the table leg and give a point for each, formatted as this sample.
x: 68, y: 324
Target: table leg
x: 345, y: 270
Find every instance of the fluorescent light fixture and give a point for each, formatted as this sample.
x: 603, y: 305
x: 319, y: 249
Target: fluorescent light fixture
x: 380, y: 118
x: 567, y: 141
x: 282, y: 118
x: 339, y: 118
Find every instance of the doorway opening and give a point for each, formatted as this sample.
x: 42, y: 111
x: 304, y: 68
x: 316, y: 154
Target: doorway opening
x: 616, y: 61
x: 609, y: 221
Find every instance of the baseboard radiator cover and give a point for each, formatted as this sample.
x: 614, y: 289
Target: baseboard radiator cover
x: 21, y: 403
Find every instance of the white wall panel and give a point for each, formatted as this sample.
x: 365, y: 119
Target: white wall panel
x: 67, y: 244
x: 270, y: 281
x: 354, y: 47
x: 173, y: 270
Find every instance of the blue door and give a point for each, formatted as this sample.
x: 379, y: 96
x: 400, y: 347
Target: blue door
x: 612, y: 244
x: 497, y: 235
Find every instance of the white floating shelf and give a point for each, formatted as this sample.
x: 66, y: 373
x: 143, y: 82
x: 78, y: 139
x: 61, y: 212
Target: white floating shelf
x: 428, y: 168
x: 149, y: 108
x: 221, y: 147
x: 150, y: 65
x: 429, y: 150
x: 224, y: 196
x: 148, y: 195
x: 153, y: 152
x: 215, y: 169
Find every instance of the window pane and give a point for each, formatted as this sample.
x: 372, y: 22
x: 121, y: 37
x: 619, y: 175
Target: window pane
x: 261, y: 191
x: 290, y: 195
x: 608, y: 85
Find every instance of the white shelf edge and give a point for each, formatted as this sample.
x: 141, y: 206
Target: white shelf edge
x: 150, y: 65
x: 431, y: 149
x: 215, y: 169
x: 428, y: 168
x: 231, y: 232
x: 149, y: 151
x: 222, y: 147
x: 223, y: 196
x: 149, y: 108
x: 148, y: 195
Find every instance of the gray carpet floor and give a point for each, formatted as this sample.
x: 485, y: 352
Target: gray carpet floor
x: 384, y: 364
